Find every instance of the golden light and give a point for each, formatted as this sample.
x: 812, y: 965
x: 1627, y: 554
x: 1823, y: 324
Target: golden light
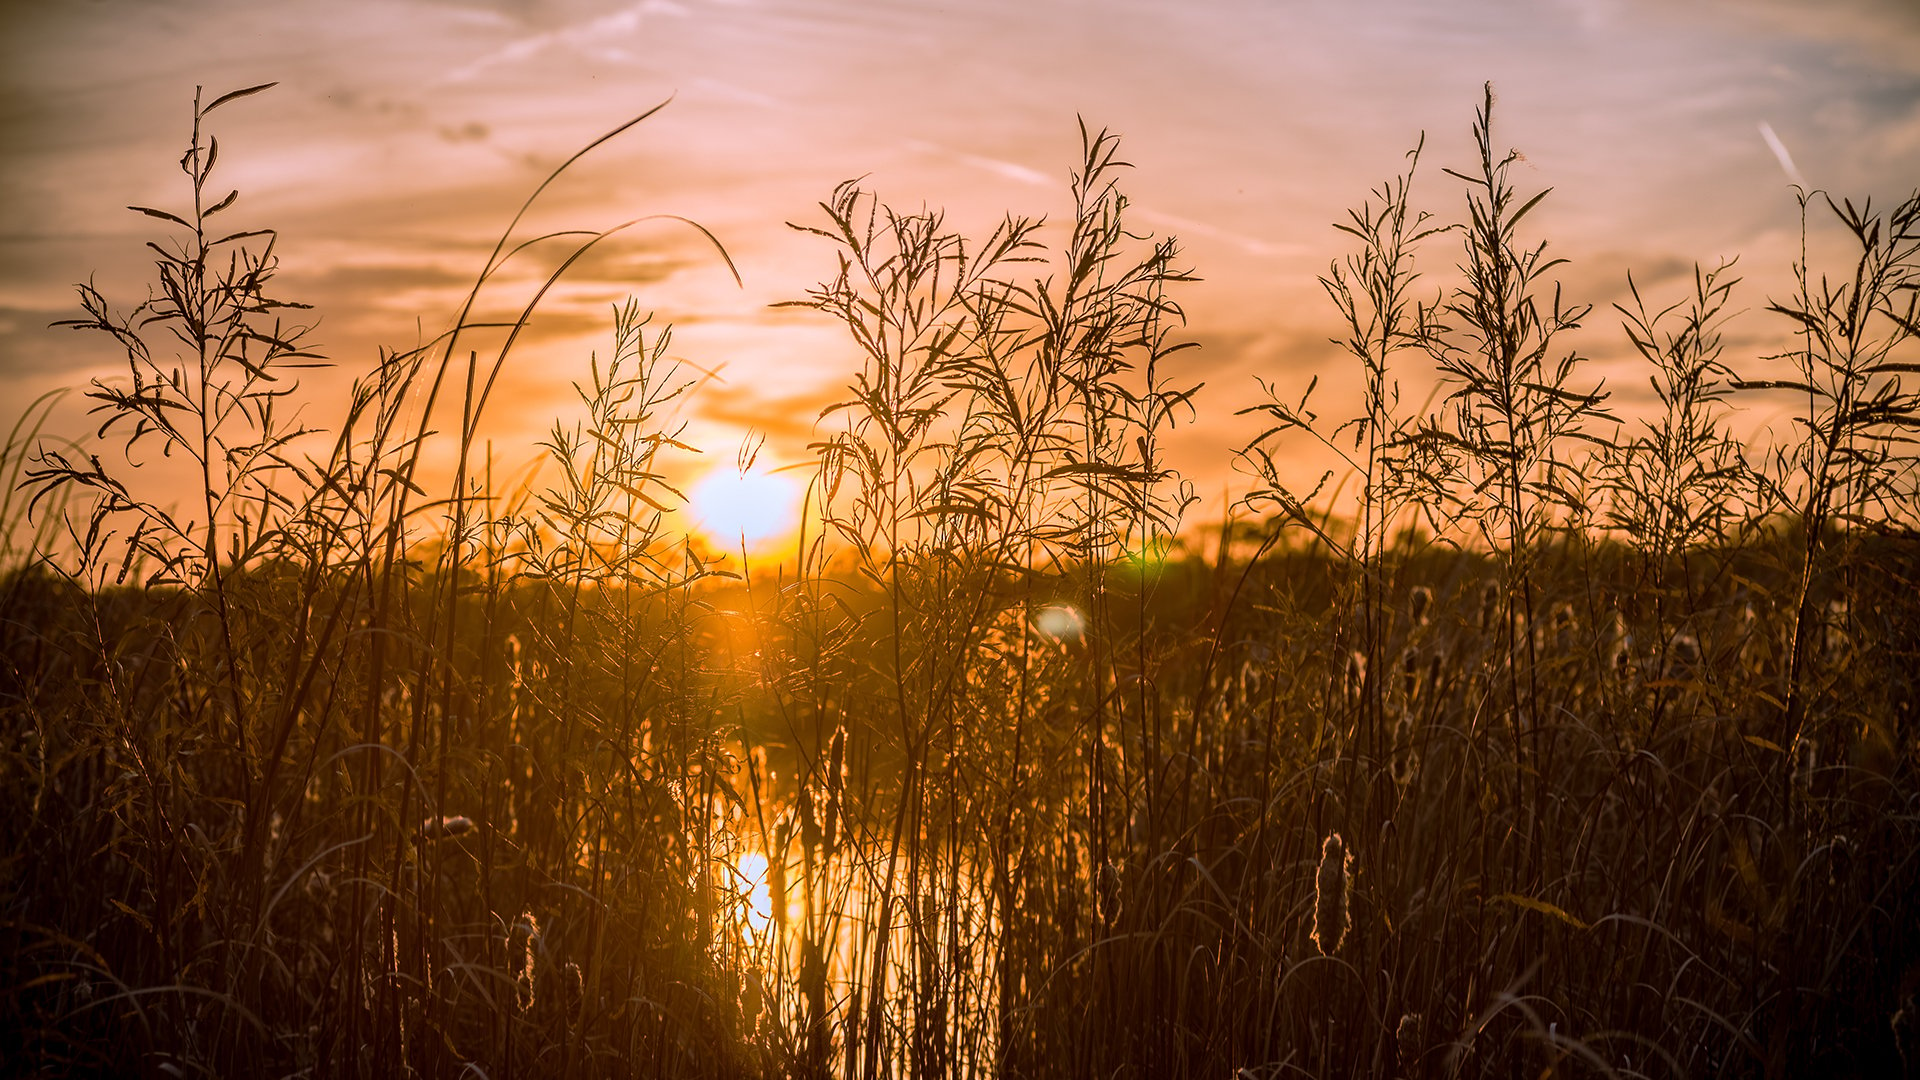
x: 1060, y: 622
x: 755, y: 893
x: 754, y: 507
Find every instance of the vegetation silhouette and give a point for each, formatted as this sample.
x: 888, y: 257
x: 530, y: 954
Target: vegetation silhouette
x: 1569, y: 743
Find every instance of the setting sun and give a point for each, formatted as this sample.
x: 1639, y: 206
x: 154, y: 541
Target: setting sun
x: 732, y: 507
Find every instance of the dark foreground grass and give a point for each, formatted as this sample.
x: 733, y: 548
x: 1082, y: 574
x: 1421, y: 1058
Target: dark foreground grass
x: 1564, y: 750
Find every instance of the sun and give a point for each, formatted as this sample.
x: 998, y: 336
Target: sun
x: 752, y: 507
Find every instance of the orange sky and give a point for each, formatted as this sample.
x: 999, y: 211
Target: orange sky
x: 403, y: 135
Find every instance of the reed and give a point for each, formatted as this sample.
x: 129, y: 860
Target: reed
x: 1537, y: 742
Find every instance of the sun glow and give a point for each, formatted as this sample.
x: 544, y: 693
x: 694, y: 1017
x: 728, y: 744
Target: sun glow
x: 756, y: 894
x: 753, y: 507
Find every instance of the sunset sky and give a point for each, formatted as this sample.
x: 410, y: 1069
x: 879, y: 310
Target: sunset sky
x: 403, y: 135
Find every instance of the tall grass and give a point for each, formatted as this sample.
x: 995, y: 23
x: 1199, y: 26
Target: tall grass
x: 1561, y: 747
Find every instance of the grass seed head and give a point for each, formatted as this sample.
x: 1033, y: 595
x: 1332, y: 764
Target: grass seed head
x: 830, y: 824
x: 1835, y: 641
x: 837, y: 760
x: 529, y: 975
x: 1621, y: 664
x: 1405, y: 758
x: 445, y: 827
x: 810, y: 835
x: 1406, y: 1038
x: 1109, y: 891
x: 1686, y: 652
x: 1489, y: 605
x: 1839, y: 860
x: 1356, y: 675
x: 1563, y: 626
x: 1806, y: 760
x: 752, y: 997
x: 1903, y: 1023
x: 1332, y: 887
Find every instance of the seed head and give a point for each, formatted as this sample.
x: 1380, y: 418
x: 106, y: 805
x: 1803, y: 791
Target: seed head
x: 529, y: 975
x: 1405, y: 759
x: 1839, y: 860
x: 752, y: 997
x: 1406, y: 1038
x: 441, y: 828
x: 837, y: 760
x: 1834, y: 639
x: 1564, y: 624
x: 1489, y: 604
x: 809, y: 820
x: 573, y: 988
x: 1622, y: 661
x: 1108, y: 895
x: 1805, y: 762
x: 1902, y: 1023
x: 1419, y: 604
x: 1684, y: 654
x: 1332, y: 886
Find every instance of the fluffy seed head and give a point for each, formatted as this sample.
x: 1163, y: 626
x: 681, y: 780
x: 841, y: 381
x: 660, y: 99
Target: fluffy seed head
x: 809, y: 820
x: 1405, y: 759
x: 529, y: 975
x: 1805, y: 761
x: 1562, y: 625
x: 1902, y: 1023
x: 1685, y: 653
x: 441, y: 828
x: 1489, y: 604
x: 1356, y: 674
x: 1839, y: 860
x: 1835, y: 641
x: 1332, y: 886
x: 1406, y: 1038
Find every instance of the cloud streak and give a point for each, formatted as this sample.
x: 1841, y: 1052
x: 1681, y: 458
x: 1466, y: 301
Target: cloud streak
x: 592, y: 36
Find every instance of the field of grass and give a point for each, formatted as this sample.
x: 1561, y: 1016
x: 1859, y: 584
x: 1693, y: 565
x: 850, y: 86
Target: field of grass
x: 1560, y: 743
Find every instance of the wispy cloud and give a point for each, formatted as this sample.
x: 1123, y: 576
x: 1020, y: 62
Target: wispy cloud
x: 592, y: 35
x: 1780, y: 154
x: 1006, y: 170
x: 1187, y: 227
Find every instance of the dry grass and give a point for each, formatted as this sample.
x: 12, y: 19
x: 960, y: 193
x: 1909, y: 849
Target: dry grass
x: 1569, y: 751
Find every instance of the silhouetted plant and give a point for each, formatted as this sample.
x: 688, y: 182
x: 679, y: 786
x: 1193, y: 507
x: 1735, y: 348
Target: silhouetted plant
x: 1513, y: 407
x: 1851, y: 460
x: 1400, y: 475
x: 999, y: 778
x: 205, y: 352
x: 1681, y: 481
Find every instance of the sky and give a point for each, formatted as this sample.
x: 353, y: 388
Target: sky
x: 403, y: 135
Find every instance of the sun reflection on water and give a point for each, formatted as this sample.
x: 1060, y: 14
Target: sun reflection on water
x: 756, y: 896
